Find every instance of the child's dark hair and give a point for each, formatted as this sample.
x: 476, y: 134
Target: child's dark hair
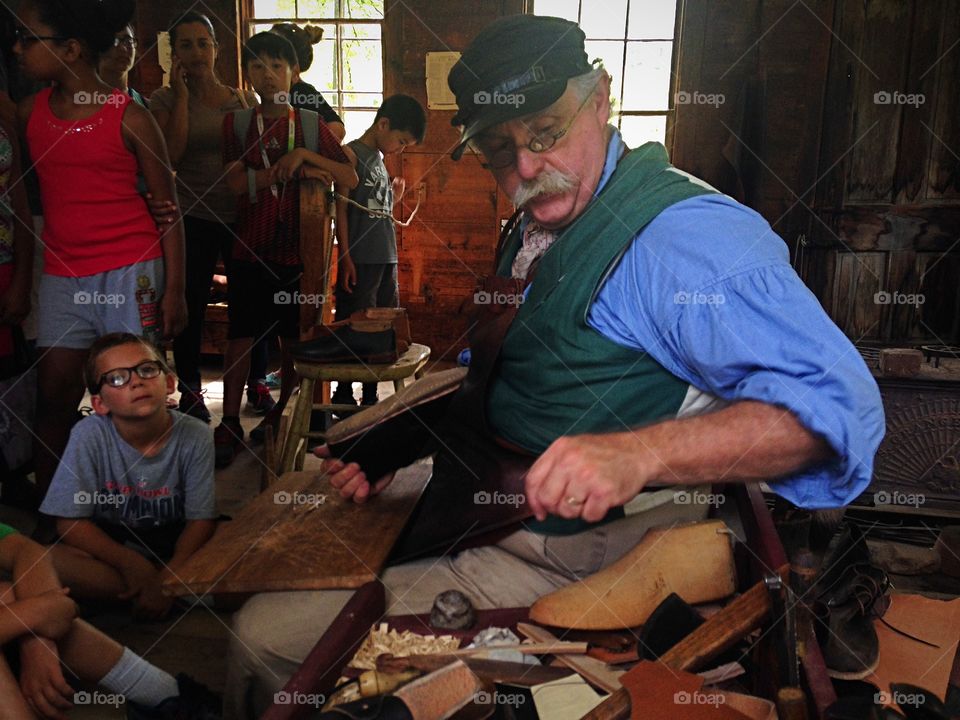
x: 93, y: 22
x: 270, y: 44
x: 191, y: 16
x: 404, y: 114
x: 109, y: 341
x: 303, y: 39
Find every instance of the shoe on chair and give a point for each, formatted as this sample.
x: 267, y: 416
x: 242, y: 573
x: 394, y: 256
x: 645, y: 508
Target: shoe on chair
x: 346, y: 345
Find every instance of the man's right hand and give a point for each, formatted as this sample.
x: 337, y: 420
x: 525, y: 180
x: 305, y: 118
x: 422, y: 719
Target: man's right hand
x: 348, y: 478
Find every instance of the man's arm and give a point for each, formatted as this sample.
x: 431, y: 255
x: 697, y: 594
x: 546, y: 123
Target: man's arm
x: 586, y: 475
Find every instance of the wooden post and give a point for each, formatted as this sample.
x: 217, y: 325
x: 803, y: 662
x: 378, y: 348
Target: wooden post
x: 317, y: 211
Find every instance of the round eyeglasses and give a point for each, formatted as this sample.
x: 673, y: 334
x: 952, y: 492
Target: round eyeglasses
x: 118, y: 377
x: 126, y: 41
x: 504, y: 157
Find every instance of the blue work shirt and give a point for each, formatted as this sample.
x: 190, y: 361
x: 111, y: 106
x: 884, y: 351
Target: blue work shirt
x: 707, y: 290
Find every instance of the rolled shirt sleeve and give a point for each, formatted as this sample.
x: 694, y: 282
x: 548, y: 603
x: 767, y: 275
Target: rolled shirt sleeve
x: 707, y: 290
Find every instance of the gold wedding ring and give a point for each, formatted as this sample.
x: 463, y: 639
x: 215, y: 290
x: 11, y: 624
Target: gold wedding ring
x: 571, y: 500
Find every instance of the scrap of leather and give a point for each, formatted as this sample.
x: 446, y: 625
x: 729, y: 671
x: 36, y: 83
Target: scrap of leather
x: 657, y: 691
x: 397, y: 431
x: 441, y: 693
x: 694, y: 561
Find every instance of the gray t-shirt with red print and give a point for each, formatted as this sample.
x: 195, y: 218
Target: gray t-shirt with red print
x: 104, y: 479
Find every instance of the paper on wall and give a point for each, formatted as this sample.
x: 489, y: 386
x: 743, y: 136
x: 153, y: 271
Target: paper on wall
x: 439, y: 96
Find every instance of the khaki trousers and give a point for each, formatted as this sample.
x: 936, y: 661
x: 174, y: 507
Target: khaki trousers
x: 274, y: 632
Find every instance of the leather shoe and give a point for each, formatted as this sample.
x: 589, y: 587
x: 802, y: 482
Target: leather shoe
x: 844, y: 622
x: 344, y: 344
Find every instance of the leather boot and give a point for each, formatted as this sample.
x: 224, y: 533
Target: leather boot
x: 844, y: 617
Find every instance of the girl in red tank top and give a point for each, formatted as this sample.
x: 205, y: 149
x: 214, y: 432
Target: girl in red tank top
x: 88, y: 142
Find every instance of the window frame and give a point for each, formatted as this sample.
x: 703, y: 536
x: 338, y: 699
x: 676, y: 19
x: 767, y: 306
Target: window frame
x: 676, y: 41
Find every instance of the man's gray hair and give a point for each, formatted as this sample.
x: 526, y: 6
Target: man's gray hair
x: 585, y: 84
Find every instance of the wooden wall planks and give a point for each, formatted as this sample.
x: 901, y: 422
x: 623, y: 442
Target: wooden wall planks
x: 451, y: 242
x: 798, y: 81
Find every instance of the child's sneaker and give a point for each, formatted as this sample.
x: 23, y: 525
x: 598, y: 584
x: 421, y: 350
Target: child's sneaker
x: 259, y: 399
x: 195, y: 702
x: 227, y: 439
x: 191, y: 403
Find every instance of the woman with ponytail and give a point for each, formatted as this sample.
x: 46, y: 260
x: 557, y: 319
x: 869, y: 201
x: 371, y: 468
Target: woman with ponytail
x: 303, y: 95
x: 107, y: 268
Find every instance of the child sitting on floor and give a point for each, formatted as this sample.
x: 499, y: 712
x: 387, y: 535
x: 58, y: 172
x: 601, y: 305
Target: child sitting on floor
x: 133, y: 494
x: 38, y: 613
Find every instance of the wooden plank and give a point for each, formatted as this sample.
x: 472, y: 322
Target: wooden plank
x: 858, y: 280
x: 943, y: 179
x: 876, y: 126
x: 938, y: 318
x: 847, y: 26
x: 923, y: 76
x: 456, y: 191
x: 282, y: 541
x: 596, y: 672
x: 316, y: 250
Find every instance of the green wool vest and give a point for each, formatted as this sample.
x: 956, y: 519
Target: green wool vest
x: 557, y: 375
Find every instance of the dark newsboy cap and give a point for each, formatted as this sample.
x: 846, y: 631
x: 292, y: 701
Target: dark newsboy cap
x: 516, y: 66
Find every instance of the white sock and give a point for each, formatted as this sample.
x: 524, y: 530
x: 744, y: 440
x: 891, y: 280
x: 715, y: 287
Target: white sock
x: 139, y: 681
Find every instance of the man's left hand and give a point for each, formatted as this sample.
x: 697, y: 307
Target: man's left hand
x: 586, y: 475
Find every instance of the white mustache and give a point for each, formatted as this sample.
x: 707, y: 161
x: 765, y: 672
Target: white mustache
x: 550, y: 182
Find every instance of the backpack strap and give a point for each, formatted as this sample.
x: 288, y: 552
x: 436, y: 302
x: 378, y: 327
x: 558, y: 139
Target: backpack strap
x: 241, y: 124
x: 311, y: 130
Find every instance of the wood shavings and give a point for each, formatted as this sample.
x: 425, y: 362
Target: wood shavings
x: 382, y: 640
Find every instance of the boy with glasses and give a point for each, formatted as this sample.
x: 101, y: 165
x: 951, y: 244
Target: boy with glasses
x: 133, y: 496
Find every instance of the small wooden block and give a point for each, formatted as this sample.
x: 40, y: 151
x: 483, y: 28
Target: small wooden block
x: 900, y: 362
x: 282, y: 541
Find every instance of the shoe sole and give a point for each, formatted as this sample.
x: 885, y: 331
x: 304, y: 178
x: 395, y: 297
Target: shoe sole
x: 856, y: 675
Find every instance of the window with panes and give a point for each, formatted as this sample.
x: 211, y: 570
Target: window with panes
x: 635, y: 41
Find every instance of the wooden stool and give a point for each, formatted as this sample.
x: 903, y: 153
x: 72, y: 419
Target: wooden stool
x: 294, y: 441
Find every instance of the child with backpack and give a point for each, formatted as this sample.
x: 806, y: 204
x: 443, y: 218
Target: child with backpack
x: 266, y: 151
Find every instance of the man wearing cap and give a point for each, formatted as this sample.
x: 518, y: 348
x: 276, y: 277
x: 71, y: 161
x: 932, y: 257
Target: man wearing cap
x: 664, y: 340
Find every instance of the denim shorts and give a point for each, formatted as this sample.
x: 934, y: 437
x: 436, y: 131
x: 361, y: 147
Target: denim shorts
x: 75, y: 311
